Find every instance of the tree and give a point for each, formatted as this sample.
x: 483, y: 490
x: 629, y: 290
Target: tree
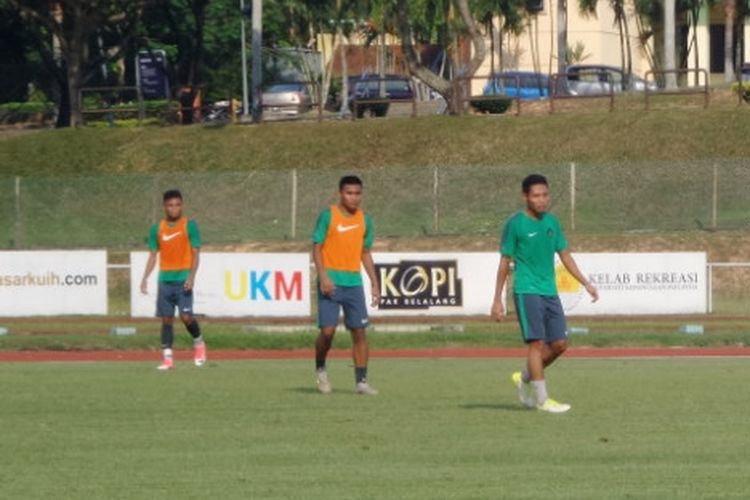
x: 20, y: 65
x: 588, y: 7
x: 76, y: 25
x: 449, y: 89
x: 511, y: 13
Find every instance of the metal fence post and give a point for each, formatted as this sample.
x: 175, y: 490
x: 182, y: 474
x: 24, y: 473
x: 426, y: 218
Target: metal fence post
x: 294, y: 203
x: 710, y: 288
x: 18, y: 236
x: 572, y: 196
x: 435, y: 195
x: 715, y: 197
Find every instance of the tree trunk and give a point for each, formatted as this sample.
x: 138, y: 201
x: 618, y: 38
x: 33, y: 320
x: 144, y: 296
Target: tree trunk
x: 628, y: 52
x: 445, y: 88
x: 669, y: 43
x: 344, y: 110
x: 491, y: 30
x: 196, y: 62
x: 562, y: 35
x: 74, y: 86
x: 730, y: 8
x: 63, y: 105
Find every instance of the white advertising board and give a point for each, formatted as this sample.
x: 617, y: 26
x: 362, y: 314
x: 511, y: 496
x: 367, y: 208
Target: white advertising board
x: 435, y: 284
x: 47, y: 283
x: 636, y: 283
x: 235, y: 284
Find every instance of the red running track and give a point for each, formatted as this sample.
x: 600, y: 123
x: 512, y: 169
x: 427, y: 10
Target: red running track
x: 460, y: 352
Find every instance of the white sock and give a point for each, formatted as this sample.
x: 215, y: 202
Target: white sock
x: 540, y: 388
x: 167, y: 354
x: 525, y: 376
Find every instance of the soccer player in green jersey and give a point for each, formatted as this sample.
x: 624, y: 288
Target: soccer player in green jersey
x: 530, y: 239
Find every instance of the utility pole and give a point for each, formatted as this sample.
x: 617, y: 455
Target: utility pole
x: 257, y: 41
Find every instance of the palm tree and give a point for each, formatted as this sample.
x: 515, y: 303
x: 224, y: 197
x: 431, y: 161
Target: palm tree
x: 511, y: 14
x: 588, y: 7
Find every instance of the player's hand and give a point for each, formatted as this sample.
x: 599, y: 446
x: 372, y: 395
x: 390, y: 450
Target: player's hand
x: 375, y: 302
x: 498, y: 311
x: 591, y: 289
x: 327, y: 287
x: 189, y: 284
x: 144, y: 287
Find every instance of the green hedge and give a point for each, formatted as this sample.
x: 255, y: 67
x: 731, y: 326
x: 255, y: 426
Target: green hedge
x: 744, y: 91
x: 20, y: 112
x: 497, y: 105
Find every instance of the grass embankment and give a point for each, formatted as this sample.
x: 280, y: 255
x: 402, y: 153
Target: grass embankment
x: 671, y: 134
x: 646, y: 429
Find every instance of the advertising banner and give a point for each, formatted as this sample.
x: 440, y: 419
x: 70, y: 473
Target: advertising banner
x: 48, y: 283
x: 636, y: 283
x: 235, y: 284
x: 435, y: 284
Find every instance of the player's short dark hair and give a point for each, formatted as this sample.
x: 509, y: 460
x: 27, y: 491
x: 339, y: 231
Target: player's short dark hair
x: 349, y: 180
x: 172, y: 193
x: 532, y: 180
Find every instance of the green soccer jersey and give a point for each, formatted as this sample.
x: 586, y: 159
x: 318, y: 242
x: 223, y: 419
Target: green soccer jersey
x: 532, y: 244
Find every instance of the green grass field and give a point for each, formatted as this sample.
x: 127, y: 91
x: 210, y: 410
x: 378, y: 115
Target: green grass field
x: 92, y: 335
x: 448, y: 429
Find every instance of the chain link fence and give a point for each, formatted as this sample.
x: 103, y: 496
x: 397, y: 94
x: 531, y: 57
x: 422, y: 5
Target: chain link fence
x: 116, y: 211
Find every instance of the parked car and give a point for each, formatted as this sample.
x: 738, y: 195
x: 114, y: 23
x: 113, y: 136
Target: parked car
x: 368, y: 88
x: 527, y: 85
x: 594, y: 79
x: 745, y: 70
x: 286, y: 99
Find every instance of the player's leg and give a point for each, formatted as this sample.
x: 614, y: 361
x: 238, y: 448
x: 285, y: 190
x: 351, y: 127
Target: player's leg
x: 532, y: 333
x: 165, y: 308
x: 328, y: 318
x: 532, y: 315
x: 356, y: 320
x: 553, y: 350
x: 555, y: 344
x: 185, y: 307
x: 556, y: 330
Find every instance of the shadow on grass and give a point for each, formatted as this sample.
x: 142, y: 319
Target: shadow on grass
x: 303, y: 390
x: 493, y: 406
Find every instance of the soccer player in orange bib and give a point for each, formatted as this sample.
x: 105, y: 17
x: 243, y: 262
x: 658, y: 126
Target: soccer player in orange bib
x: 177, y: 240
x: 341, y: 244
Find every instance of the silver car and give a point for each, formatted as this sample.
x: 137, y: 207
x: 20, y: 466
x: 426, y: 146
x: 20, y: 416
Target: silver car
x: 286, y: 99
x: 592, y: 79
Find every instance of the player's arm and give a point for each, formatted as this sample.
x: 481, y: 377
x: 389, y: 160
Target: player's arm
x: 498, y: 311
x: 190, y: 282
x: 570, y: 264
x: 153, y: 245
x: 150, y: 265
x: 324, y: 281
x: 369, y: 266
x: 368, y: 263
x: 319, y: 237
x: 195, y: 248
x: 508, y: 243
